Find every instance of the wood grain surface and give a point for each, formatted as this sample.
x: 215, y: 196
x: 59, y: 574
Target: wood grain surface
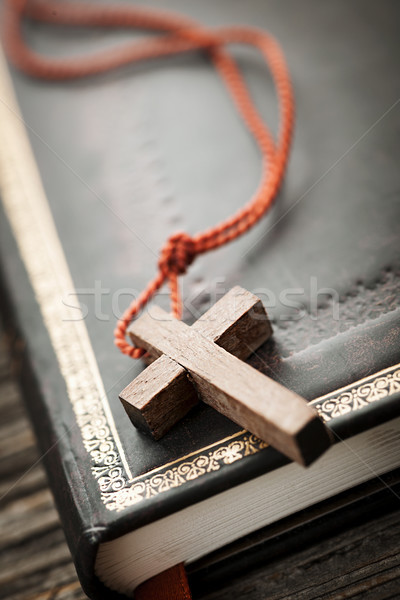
x: 362, y: 563
x: 162, y: 394
x: 254, y: 401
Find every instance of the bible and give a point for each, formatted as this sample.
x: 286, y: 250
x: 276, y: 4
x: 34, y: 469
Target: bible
x: 84, y: 167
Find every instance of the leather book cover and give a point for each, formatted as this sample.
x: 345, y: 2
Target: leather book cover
x: 95, y: 174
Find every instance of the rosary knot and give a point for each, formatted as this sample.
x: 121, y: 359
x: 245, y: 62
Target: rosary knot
x: 177, y: 254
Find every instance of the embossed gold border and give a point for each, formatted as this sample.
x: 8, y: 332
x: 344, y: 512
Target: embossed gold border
x: 27, y: 209
x: 30, y: 218
x: 331, y: 406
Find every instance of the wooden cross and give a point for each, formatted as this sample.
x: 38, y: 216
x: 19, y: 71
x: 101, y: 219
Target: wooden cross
x: 206, y: 361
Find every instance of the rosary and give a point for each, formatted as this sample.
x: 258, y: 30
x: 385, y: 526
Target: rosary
x: 204, y: 361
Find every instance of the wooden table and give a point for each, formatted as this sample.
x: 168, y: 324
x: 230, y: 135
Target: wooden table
x: 361, y: 563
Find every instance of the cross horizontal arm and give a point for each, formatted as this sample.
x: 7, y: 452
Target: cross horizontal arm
x: 243, y: 394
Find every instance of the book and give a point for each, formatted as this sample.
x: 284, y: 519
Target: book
x: 94, y: 176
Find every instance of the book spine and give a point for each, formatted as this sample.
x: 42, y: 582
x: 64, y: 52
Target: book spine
x: 57, y: 455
